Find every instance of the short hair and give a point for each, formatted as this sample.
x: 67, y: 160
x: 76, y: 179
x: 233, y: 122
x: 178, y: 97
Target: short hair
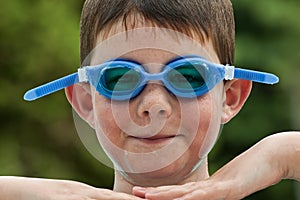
x: 213, y: 19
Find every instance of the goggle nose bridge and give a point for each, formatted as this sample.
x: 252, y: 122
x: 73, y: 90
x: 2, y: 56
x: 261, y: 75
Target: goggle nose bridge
x: 152, y: 77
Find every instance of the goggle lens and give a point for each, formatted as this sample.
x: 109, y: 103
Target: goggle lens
x: 120, y: 79
x: 187, y: 77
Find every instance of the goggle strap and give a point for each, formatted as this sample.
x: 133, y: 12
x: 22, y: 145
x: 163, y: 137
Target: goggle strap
x: 51, y: 87
x: 256, y: 76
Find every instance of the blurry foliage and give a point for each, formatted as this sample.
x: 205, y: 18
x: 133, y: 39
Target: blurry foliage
x: 39, y: 41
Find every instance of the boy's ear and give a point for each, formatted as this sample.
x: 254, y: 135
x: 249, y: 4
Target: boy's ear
x: 236, y: 93
x: 79, y: 96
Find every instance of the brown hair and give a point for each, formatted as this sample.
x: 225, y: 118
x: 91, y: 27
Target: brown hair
x: 211, y: 19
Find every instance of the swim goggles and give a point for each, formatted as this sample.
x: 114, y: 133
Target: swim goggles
x: 123, y: 79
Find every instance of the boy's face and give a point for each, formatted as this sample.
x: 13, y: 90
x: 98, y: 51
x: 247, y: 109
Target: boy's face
x: 156, y: 138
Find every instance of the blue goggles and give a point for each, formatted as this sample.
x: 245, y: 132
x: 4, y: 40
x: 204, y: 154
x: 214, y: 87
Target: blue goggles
x: 123, y: 79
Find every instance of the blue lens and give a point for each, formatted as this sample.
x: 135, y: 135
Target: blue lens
x: 120, y: 79
x: 187, y: 77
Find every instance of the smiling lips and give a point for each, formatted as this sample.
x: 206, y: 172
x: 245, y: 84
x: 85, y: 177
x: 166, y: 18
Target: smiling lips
x: 155, y: 139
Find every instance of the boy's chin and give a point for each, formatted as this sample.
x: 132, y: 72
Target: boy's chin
x: 173, y: 174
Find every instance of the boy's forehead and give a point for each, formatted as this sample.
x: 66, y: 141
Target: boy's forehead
x: 119, y: 43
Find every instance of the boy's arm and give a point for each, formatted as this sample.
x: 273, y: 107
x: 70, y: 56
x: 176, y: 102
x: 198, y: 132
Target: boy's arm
x: 290, y: 155
x: 21, y: 188
x: 272, y: 159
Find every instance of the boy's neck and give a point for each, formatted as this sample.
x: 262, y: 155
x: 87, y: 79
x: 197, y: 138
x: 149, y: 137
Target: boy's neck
x: 123, y: 185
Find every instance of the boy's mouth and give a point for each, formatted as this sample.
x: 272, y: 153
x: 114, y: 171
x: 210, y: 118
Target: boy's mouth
x: 155, y: 139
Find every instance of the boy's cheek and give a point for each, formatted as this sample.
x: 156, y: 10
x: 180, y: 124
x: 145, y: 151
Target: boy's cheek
x: 105, y: 124
x: 209, y: 122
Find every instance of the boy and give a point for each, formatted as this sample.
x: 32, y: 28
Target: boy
x: 153, y: 134
x: 159, y: 131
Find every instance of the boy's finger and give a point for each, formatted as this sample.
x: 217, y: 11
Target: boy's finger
x: 139, y: 191
x: 103, y: 194
x: 169, y: 192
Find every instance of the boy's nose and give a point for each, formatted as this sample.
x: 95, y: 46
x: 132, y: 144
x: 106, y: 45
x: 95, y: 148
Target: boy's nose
x: 155, y: 102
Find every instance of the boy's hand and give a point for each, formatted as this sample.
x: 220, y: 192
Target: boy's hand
x: 12, y: 188
x: 265, y: 164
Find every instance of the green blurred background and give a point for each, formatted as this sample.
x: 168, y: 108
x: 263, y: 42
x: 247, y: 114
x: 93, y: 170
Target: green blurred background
x: 40, y: 42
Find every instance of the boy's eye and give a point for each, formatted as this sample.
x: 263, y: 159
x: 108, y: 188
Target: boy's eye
x: 186, y: 77
x: 121, y: 79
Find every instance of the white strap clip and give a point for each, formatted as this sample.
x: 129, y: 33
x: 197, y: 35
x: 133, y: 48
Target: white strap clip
x: 82, y: 75
x: 229, y: 72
